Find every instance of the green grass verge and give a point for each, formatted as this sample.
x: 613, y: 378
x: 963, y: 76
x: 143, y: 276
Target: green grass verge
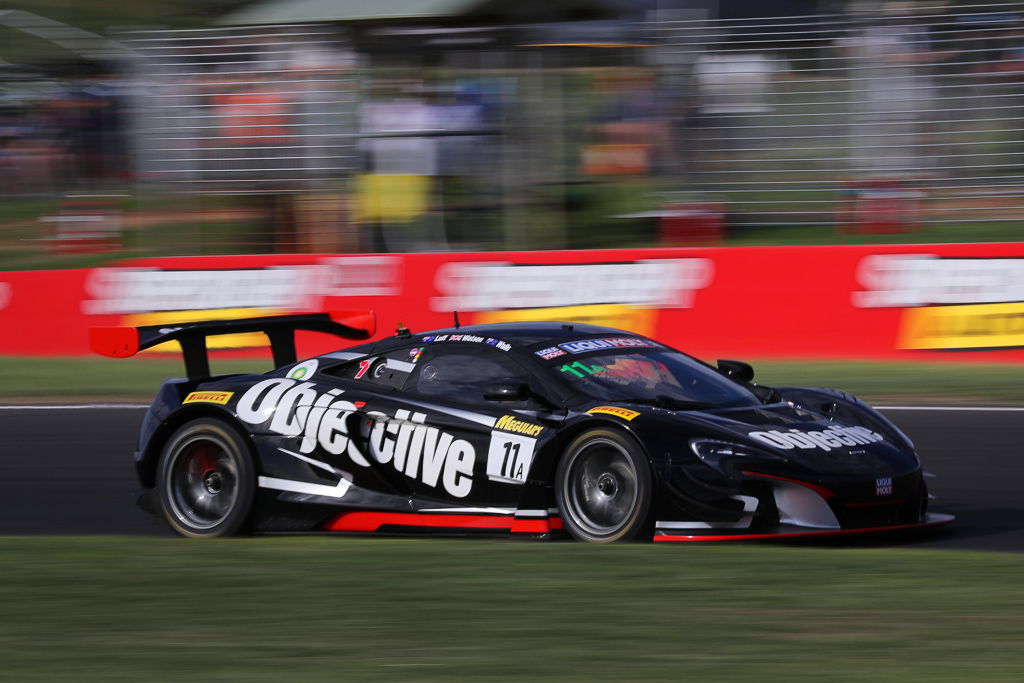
x: 314, y: 608
x: 138, y: 378
x: 92, y: 378
x: 892, y: 382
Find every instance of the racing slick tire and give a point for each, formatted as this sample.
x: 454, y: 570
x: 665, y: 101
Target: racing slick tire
x: 205, y: 480
x: 603, y: 488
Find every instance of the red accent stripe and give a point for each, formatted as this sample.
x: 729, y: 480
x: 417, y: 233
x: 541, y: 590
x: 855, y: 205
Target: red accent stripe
x: 533, y: 525
x: 820, y: 490
x: 536, y: 525
x: 373, y: 521
x: 798, y: 534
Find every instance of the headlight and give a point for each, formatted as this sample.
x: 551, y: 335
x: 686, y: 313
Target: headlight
x: 713, y: 452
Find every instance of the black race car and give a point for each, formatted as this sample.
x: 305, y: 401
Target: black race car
x: 515, y: 428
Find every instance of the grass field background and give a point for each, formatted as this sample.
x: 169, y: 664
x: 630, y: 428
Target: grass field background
x: 136, y: 379
x: 314, y: 608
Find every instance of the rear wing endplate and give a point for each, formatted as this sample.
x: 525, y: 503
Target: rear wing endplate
x: 123, y: 342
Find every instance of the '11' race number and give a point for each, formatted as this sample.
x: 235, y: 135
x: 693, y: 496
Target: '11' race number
x: 509, y: 457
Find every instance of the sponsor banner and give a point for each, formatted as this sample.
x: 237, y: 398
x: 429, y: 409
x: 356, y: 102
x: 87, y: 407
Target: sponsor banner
x: 40, y: 313
x: 651, y: 283
x: 587, y: 345
x: 914, y: 302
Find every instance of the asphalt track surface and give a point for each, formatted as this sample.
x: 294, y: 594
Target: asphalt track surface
x: 68, y: 470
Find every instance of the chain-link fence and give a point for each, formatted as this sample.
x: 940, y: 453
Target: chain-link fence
x: 870, y: 121
x: 878, y: 121
x: 253, y: 110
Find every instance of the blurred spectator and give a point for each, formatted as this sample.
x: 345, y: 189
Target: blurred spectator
x: 890, y: 62
x: 635, y: 124
x: 62, y: 133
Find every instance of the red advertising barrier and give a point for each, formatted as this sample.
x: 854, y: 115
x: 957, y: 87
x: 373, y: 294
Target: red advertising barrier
x: 914, y: 302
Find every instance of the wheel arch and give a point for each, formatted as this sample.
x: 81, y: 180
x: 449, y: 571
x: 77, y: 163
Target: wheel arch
x: 578, y: 521
x: 539, y: 489
x: 147, y: 464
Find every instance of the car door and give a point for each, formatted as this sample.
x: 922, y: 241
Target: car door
x: 423, y: 445
x: 493, y: 443
x: 383, y: 424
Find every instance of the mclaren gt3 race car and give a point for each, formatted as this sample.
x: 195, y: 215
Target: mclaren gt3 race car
x: 516, y: 428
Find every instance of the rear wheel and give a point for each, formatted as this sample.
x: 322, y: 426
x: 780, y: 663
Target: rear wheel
x: 603, y: 488
x: 205, y: 480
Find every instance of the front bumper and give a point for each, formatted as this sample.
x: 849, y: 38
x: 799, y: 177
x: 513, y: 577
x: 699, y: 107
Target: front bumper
x: 771, y: 506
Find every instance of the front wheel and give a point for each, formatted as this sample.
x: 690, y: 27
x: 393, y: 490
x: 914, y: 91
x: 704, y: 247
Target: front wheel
x: 205, y: 480
x: 603, y: 488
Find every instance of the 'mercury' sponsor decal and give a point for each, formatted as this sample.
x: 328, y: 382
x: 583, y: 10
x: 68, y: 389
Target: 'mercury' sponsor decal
x: 509, y: 423
x: 825, y: 439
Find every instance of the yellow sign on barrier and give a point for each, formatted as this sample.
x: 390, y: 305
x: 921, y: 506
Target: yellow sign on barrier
x: 974, y: 326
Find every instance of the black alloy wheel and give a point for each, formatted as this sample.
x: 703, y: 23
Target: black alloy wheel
x: 206, y: 480
x: 603, y: 487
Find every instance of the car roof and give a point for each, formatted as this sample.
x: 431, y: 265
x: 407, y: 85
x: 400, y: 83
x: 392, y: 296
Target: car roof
x: 518, y: 334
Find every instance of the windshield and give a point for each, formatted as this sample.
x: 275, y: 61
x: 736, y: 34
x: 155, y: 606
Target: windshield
x: 657, y: 377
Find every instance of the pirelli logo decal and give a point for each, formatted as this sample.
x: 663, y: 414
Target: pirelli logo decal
x: 613, y: 410
x: 510, y: 424
x: 218, y: 397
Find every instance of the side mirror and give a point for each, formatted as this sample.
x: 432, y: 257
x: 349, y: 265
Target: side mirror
x: 736, y: 370
x: 508, y: 391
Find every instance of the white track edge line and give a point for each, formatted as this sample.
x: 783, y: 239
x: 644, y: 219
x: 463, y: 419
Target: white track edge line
x: 75, y: 406
x: 965, y: 409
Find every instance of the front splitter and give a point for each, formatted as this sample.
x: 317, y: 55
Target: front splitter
x: 932, y: 519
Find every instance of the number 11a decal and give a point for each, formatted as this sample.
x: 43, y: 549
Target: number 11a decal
x: 509, y: 457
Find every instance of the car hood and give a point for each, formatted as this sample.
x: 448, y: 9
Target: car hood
x: 825, y: 444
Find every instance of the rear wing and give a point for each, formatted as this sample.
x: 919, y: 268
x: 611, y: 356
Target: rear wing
x: 123, y: 342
